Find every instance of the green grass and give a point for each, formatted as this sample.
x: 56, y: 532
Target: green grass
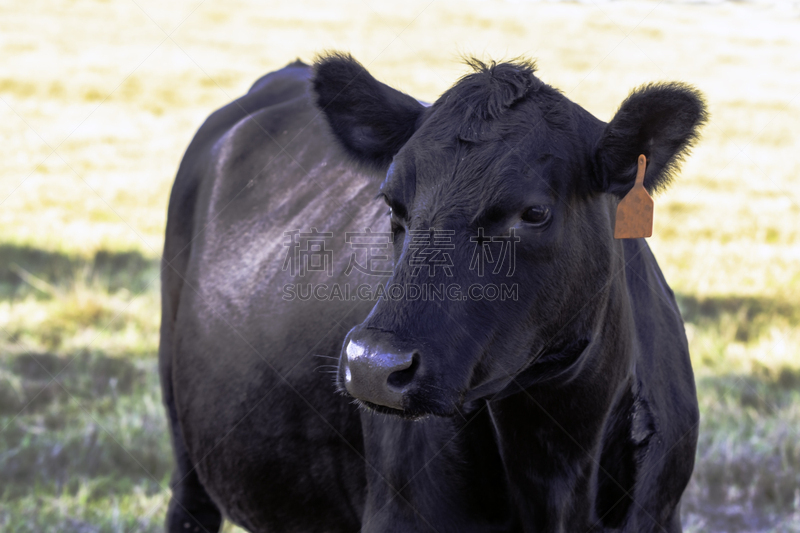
x: 83, y: 445
x: 83, y: 441
x: 89, y: 452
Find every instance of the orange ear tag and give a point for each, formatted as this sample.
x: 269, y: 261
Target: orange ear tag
x: 635, y: 211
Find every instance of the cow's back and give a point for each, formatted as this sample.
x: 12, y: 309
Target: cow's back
x: 258, y: 414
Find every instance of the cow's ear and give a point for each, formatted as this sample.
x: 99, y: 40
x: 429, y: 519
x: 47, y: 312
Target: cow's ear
x: 660, y: 121
x: 370, y: 119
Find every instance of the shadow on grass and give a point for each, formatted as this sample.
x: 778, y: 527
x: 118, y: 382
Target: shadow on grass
x: 87, y: 376
x: 25, y: 270
x: 749, y: 315
x: 100, y: 424
x: 100, y: 428
x: 747, y: 473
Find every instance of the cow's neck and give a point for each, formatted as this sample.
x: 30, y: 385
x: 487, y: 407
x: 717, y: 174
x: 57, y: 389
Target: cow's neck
x: 549, y: 434
x: 443, y: 474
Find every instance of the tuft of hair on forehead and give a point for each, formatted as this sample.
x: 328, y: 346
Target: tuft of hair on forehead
x: 487, y: 93
x: 500, y: 85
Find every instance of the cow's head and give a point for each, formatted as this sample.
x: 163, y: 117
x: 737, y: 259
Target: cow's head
x: 501, y: 166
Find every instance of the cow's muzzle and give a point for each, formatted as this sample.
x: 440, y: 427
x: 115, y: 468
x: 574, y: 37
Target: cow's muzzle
x: 376, y: 370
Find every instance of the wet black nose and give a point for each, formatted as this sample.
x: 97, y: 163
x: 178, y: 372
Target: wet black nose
x: 377, y: 373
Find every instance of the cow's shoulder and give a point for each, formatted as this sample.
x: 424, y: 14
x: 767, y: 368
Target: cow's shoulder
x: 199, y: 167
x: 270, y: 90
x: 284, y: 79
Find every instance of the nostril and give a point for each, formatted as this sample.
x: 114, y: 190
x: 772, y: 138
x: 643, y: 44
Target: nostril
x: 401, y: 378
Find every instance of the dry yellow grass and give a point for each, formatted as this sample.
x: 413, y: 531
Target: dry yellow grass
x: 102, y: 83
x: 118, y: 88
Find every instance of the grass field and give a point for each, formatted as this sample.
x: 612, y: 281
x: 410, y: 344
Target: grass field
x: 98, y: 100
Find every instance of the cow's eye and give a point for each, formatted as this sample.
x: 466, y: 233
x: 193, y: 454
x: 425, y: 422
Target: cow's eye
x: 537, y: 215
x: 396, y: 223
x: 396, y: 210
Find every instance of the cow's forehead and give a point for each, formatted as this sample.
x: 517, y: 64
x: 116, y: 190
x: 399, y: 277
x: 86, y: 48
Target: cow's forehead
x: 454, y: 175
x: 497, y: 134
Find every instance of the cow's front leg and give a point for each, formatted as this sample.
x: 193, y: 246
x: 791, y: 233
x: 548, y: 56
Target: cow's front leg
x: 190, y: 507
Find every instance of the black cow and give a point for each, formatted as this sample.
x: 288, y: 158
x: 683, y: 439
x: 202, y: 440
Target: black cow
x: 549, y: 389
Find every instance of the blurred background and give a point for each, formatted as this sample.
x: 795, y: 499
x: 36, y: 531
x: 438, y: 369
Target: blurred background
x: 99, y: 99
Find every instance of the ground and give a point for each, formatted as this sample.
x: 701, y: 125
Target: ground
x: 98, y: 100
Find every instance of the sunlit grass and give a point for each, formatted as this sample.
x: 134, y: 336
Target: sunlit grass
x: 82, y: 227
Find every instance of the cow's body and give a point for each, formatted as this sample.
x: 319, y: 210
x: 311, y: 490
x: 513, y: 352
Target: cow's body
x: 593, y: 443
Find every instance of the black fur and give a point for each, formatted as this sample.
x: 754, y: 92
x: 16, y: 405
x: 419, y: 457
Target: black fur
x: 629, y: 430
x: 486, y: 95
x: 569, y: 407
x: 387, y: 118
x: 659, y: 120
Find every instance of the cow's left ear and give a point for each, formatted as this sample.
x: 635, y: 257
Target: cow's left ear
x: 370, y: 119
x: 660, y: 121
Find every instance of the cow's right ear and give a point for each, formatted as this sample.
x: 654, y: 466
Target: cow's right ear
x: 370, y: 119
